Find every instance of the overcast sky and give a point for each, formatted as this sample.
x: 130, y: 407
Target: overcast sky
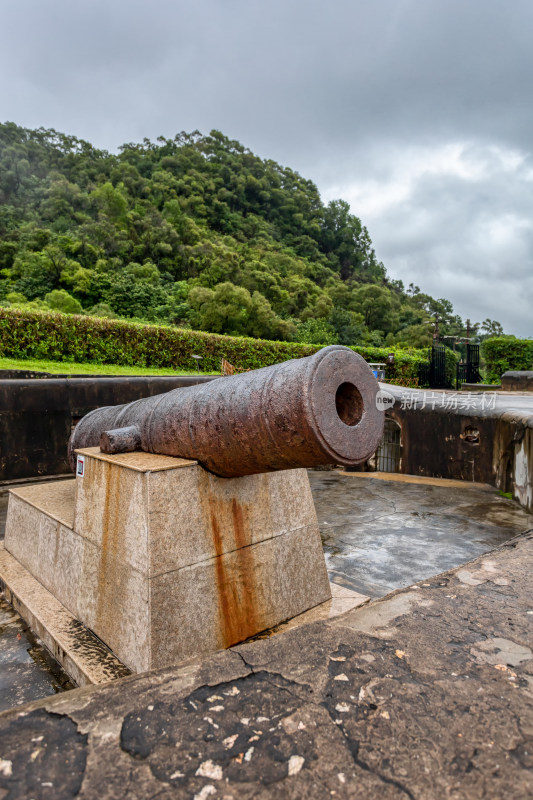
x: 418, y: 112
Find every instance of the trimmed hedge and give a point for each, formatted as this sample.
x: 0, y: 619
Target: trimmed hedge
x: 502, y: 353
x: 69, y: 337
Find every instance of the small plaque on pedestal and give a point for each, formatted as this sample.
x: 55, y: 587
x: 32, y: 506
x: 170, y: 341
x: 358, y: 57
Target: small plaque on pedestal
x: 163, y: 560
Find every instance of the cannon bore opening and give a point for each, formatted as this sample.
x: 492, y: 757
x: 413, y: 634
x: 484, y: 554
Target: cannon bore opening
x: 349, y: 404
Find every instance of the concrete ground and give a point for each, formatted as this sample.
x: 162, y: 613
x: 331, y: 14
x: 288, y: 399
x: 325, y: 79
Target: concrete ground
x: 379, y: 535
x: 384, y: 532
x: 425, y: 694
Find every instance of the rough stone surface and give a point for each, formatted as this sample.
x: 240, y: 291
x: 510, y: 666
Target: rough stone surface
x: 425, y: 694
x: 517, y: 381
x: 342, y: 600
x: 230, y: 514
x: 165, y: 561
x: 227, y: 599
x: 96, y: 587
x: 170, y: 513
x: 378, y: 555
x: 53, y: 497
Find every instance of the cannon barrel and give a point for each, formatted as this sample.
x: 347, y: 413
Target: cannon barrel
x: 302, y: 413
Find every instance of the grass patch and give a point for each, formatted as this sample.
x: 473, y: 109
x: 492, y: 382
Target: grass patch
x: 87, y: 368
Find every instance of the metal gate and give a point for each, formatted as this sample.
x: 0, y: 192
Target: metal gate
x: 433, y: 374
x: 389, y: 453
x: 469, y: 372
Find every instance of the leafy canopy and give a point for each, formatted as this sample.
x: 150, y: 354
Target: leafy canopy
x: 195, y: 231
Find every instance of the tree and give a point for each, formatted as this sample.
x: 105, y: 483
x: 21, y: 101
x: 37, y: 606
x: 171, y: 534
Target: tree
x: 316, y: 331
x: 419, y: 336
x: 131, y: 298
x: 491, y: 327
x: 349, y: 326
x: 233, y: 310
x: 110, y: 201
x: 225, y: 309
x: 123, y: 230
x: 60, y: 300
x: 376, y: 305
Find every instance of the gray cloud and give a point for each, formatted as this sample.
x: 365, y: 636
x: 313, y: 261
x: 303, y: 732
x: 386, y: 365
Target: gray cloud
x: 418, y: 113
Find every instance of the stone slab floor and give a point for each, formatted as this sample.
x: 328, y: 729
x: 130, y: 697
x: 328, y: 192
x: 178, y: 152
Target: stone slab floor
x: 379, y: 535
x: 426, y: 694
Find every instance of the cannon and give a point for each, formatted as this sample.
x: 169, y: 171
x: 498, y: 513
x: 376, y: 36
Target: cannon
x: 306, y: 412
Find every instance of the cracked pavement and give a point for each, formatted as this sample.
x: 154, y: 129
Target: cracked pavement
x: 427, y: 693
x: 378, y: 536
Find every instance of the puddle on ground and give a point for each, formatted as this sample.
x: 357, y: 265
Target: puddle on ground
x: 27, y: 671
x: 379, y: 535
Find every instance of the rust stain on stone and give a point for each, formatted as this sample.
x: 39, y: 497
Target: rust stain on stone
x: 239, y: 614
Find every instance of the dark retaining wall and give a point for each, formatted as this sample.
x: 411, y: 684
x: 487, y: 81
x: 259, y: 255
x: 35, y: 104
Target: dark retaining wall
x: 444, y: 445
x: 491, y: 446
x: 37, y: 416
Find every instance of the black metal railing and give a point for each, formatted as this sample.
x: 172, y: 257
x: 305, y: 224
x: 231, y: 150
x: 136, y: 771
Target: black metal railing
x: 389, y: 452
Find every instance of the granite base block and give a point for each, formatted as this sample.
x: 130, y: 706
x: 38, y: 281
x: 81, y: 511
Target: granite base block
x: 81, y: 654
x: 163, y: 560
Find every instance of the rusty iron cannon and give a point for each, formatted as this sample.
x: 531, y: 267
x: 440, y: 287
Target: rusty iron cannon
x: 302, y: 413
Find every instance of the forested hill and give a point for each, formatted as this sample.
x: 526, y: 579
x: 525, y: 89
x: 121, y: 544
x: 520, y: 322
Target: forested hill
x: 196, y: 231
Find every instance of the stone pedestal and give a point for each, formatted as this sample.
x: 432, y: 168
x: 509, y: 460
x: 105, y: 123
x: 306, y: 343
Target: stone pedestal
x: 163, y: 560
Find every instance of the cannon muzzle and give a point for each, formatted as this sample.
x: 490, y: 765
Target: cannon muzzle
x: 306, y: 412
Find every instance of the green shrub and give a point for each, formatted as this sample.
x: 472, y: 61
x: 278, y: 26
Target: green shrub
x: 62, y: 337
x: 61, y: 300
x: 502, y: 353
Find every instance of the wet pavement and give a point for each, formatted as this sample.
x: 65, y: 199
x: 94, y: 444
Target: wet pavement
x: 379, y: 535
x: 27, y: 671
